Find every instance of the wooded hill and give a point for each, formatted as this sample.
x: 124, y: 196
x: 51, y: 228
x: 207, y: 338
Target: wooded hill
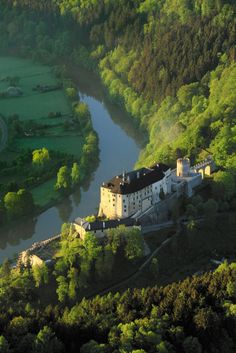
x: 196, y: 315
x: 170, y: 63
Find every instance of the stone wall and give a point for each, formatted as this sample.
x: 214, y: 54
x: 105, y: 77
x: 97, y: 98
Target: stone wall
x: 158, y: 213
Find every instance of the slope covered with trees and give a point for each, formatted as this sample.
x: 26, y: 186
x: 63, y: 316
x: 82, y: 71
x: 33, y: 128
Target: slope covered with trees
x: 171, y: 64
x: 195, y: 315
x: 166, y: 62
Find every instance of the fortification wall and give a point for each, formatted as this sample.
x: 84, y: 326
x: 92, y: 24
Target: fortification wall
x: 159, y: 212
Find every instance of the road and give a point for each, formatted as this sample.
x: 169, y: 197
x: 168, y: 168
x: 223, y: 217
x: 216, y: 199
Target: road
x: 155, y: 227
x: 3, y: 141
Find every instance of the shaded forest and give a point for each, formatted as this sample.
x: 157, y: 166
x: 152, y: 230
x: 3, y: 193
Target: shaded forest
x: 195, y: 315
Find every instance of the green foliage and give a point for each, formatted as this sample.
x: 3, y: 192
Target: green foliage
x: 91, y: 218
x: 134, y: 248
x: 134, y: 321
x: 225, y: 185
x: 163, y: 61
x: 82, y: 113
x: 75, y: 174
x: 65, y: 230
x: 73, y: 284
x: 196, y: 120
x: 128, y: 240
x: 40, y: 274
x: 40, y: 157
x: 71, y: 93
x: 62, y: 289
x: 47, y: 342
x: 93, y: 347
x: 91, y: 246
x: 63, y: 179
x: 18, y: 203
x: 231, y: 289
x: 4, y: 347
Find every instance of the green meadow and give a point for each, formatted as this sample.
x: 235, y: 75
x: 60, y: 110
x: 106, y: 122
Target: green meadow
x: 45, y: 192
x: 34, y: 105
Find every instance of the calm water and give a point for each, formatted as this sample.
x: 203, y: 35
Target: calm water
x: 119, y: 143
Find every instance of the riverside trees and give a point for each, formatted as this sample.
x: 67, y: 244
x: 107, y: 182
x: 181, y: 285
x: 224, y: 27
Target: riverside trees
x: 18, y: 203
x: 67, y: 179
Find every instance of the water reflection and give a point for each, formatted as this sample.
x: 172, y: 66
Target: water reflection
x: 23, y: 230
x: 64, y: 210
x: 118, y: 115
x: 76, y: 197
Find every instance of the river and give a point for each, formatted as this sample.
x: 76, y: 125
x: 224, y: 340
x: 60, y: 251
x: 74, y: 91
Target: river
x: 119, y: 142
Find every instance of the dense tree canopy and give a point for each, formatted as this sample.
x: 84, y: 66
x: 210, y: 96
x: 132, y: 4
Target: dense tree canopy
x: 171, y: 64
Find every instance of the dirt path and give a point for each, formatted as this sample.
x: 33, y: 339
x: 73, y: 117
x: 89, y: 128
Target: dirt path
x: 3, y: 141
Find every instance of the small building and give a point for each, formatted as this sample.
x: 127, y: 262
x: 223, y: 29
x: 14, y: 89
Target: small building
x: 14, y: 91
x: 26, y: 258
x: 126, y: 194
x: 98, y: 227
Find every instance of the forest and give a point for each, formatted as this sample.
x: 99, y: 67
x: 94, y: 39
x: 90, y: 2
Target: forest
x: 171, y: 65
x: 195, y: 315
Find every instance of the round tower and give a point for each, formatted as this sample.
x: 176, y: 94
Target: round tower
x: 183, y: 167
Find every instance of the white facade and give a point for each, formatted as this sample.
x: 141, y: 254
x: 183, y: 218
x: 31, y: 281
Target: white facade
x: 117, y: 205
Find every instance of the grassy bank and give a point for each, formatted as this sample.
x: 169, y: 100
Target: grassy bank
x: 41, y: 115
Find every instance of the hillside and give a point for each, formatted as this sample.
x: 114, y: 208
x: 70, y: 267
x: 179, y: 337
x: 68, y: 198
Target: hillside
x: 167, y: 64
x: 195, y: 315
x: 171, y: 65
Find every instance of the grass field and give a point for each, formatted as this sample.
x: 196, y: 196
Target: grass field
x: 44, y: 193
x: 67, y: 144
x: 33, y: 105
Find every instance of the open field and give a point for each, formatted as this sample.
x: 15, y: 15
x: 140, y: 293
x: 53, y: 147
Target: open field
x: 66, y: 144
x: 36, y: 106
x: 45, y: 192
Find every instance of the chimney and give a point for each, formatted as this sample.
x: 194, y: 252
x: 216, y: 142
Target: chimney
x: 123, y: 176
x: 138, y: 175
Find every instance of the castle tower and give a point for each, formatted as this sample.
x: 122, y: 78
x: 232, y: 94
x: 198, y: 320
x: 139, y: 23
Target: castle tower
x: 183, y: 167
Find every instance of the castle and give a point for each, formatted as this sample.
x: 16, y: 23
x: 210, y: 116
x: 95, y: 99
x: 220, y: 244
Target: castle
x: 125, y: 195
x: 128, y: 193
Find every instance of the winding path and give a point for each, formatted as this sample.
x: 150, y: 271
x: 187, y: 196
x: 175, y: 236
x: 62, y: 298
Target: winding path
x: 3, y: 141
x: 133, y: 275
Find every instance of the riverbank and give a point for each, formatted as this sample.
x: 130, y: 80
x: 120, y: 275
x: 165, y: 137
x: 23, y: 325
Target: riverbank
x: 117, y: 134
x: 44, y: 130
